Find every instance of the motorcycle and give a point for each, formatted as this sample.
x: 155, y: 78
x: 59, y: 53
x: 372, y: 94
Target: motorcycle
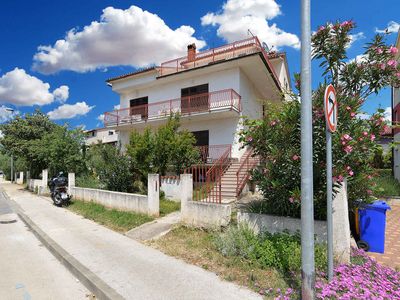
x: 58, y: 190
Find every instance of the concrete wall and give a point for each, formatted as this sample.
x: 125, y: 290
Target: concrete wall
x: 20, y: 179
x: 273, y: 224
x: 34, y: 183
x: 171, y: 186
x: 149, y: 204
x: 201, y: 214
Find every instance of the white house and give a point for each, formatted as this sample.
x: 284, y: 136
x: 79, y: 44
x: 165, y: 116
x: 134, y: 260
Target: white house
x: 101, y: 135
x: 396, y: 119
x: 210, y: 89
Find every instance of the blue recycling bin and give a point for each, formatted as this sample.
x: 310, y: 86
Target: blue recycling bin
x: 372, y: 224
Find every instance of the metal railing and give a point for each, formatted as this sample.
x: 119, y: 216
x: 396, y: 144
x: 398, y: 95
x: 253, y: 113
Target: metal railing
x: 243, y: 172
x: 196, y: 104
x: 207, y: 57
x: 207, y: 177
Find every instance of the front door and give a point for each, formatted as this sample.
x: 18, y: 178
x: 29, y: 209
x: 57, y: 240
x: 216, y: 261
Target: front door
x: 138, y: 107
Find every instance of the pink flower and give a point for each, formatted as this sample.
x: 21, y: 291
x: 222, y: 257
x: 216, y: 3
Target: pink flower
x: 360, y: 139
x: 382, y: 66
x: 351, y: 173
x: 348, y: 149
x: 249, y: 139
x: 392, y: 63
x: 365, y: 133
x: 346, y: 23
x: 346, y: 137
x: 369, y: 177
x: 393, y: 50
x: 398, y: 74
x: 372, y: 137
x: 273, y: 123
x: 353, y: 114
x: 348, y: 108
x: 321, y: 28
x: 343, y: 143
x: 291, y: 199
x: 340, y: 178
x: 369, y: 192
x: 295, y: 157
x: 348, y: 168
x: 379, y: 50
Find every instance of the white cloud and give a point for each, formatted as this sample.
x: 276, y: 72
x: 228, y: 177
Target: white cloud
x: 388, y: 114
x: 393, y: 27
x: 69, y: 111
x: 363, y: 116
x: 355, y: 37
x: 62, y: 93
x: 116, y: 107
x: 122, y: 37
x: 239, y: 16
x: 7, y: 114
x: 101, y: 118
x: 358, y: 59
x: 21, y: 89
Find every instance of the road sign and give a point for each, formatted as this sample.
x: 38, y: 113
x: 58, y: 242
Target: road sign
x: 330, y: 107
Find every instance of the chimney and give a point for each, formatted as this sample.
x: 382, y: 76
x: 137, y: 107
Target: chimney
x: 191, y: 52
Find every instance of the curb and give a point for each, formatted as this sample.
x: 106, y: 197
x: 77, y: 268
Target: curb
x: 90, y: 280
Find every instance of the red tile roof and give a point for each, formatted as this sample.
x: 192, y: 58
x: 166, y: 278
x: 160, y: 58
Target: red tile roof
x: 144, y: 70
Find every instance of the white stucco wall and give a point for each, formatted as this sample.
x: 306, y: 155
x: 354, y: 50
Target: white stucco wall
x: 224, y: 79
x: 103, y: 136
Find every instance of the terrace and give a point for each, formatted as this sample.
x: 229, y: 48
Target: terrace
x: 219, y: 101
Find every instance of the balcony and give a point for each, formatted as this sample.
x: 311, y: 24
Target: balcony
x: 224, y: 100
x: 215, y: 55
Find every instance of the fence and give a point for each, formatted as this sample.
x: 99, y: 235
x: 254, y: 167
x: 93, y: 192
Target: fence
x: 207, y: 177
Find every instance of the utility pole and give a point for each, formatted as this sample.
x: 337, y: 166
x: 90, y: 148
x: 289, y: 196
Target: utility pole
x: 12, y: 156
x: 307, y: 204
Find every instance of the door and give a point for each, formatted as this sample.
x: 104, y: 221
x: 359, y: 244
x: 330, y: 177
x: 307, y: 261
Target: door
x: 194, y: 98
x: 202, y: 141
x: 138, y: 107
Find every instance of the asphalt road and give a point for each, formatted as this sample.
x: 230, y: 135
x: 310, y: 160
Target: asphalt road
x: 27, y: 269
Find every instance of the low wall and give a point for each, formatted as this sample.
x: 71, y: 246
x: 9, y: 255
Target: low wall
x: 204, y: 214
x: 201, y: 214
x: 171, y: 186
x: 274, y: 224
x: 33, y: 184
x: 118, y: 200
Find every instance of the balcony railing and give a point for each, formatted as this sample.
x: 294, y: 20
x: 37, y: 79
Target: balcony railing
x: 208, y: 57
x: 197, y: 104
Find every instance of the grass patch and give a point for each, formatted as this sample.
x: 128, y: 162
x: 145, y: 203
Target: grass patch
x: 168, y: 206
x: 199, y: 247
x: 121, y: 221
x: 386, y: 184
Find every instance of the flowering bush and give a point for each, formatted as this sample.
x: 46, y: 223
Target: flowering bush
x: 276, y: 138
x: 363, y: 279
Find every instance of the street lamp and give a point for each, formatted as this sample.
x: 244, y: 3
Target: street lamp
x: 12, y: 156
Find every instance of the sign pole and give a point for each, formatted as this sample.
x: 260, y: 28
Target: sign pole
x: 330, y: 109
x: 307, y: 197
x: 329, y: 202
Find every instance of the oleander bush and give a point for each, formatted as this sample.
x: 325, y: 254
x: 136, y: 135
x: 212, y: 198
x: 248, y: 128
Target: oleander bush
x: 276, y: 137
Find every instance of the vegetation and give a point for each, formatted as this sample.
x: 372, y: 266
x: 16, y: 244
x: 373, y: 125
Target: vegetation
x: 121, y: 221
x: 166, y: 149
x: 354, y: 143
x: 198, y: 247
x: 386, y: 184
x: 168, y: 206
x: 38, y: 143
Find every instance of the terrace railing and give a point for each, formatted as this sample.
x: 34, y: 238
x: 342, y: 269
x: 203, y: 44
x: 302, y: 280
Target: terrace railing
x: 196, y: 104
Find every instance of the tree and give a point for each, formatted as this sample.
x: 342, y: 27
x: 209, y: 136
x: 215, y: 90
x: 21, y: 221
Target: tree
x: 354, y: 142
x: 111, y: 167
x: 166, y: 149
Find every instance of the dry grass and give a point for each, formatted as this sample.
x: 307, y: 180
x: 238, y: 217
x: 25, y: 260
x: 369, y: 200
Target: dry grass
x: 196, y: 247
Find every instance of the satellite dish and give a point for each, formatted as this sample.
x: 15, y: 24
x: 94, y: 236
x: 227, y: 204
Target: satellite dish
x: 265, y: 46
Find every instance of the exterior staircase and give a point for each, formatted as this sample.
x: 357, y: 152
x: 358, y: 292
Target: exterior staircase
x: 236, y: 176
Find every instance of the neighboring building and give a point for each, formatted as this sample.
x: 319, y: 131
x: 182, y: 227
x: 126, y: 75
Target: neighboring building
x: 211, y: 90
x: 396, y: 120
x: 385, y: 139
x: 103, y: 135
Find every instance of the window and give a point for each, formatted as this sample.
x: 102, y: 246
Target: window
x: 138, y: 107
x: 195, y: 98
x: 110, y: 132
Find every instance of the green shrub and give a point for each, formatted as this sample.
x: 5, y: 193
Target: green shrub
x: 87, y: 181
x: 279, y: 250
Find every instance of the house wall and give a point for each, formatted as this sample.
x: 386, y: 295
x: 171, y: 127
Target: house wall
x: 103, y: 136
x: 224, y: 79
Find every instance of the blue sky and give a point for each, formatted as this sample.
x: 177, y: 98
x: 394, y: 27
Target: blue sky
x: 26, y: 25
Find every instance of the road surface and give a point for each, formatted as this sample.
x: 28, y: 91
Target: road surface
x: 28, y: 269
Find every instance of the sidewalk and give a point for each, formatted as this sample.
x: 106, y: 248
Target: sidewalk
x: 391, y: 257
x: 131, y: 269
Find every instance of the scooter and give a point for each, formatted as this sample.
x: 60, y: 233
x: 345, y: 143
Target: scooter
x: 58, y: 190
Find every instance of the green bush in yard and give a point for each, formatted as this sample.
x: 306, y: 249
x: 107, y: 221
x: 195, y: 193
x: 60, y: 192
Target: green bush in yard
x: 278, y: 250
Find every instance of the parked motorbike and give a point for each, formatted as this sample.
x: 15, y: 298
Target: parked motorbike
x: 58, y: 186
